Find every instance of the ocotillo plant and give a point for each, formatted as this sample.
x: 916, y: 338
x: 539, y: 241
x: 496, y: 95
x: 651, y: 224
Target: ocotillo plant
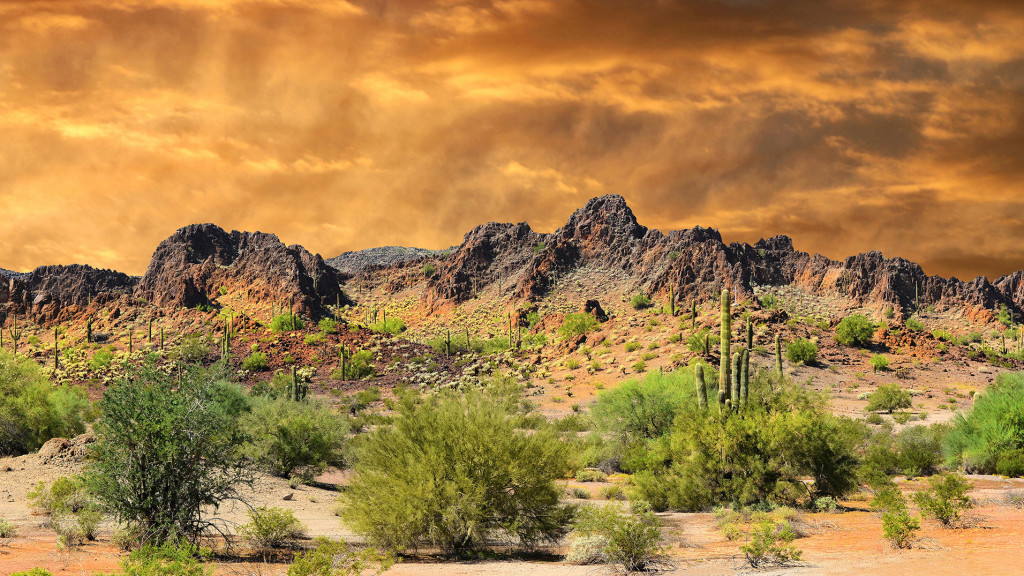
x: 778, y: 356
x: 723, y: 374
x: 737, y: 358
x: 744, y: 378
x: 702, y: 388
x: 750, y: 335
x: 448, y: 341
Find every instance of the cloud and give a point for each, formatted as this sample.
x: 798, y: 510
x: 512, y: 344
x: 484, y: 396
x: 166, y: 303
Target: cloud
x: 851, y: 126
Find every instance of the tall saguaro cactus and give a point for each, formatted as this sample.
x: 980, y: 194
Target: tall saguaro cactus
x: 737, y: 362
x: 750, y: 335
x: 744, y: 378
x: 702, y: 387
x: 15, y: 333
x: 723, y: 372
x: 778, y: 356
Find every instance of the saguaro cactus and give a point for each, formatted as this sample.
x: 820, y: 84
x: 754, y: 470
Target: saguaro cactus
x: 778, y: 356
x: 56, y: 348
x: 88, y: 330
x: 750, y: 335
x: 702, y: 388
x: 15, y: 334
x: 693, y: 315
x: 723, y: 374
x: 671, y: 300
x: 744, y: 378
x: 737, y: 361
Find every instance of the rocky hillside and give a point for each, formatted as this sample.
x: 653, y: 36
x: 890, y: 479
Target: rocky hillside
x: 604, y: 235
x: 351, y: 263
x: 57, y: 293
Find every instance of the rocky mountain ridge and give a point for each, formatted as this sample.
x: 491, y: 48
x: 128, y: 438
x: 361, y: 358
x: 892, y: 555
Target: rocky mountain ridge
x: 196, y: 263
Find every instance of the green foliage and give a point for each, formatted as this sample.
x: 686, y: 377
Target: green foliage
x: 32, y: 410
x: 358, y: 365
x: 855, y: 330
x: 169, y: 559
x: 389, y: 326
x: 783, y: 437
x: 632, y: 346
x: 293, y: 438
x: 771, y: 544
x: 640, y: 367
x: 993, y: 431
x: 698, y: 341
x: 313, y: 339
x: 328, y: 325
x: 889, y: 397
x: 899, y: 527
x: 879, y: 362
x: 914, y: 324
x: 101, y: 359
x: 606, y: 535
x: 33, y: 572
x: 576, y: 324
x: 429, y: 270
x: 256, y: 362
x: 329, y: 558
x: 272, y: 527
x: 591, y: 476
x: 802, y: 351
x: 914, y: 451
x: 7, y: 529
x: 640, y: 302
x: 440, y: 475
x: 770, y: 301
x: 946, y: 499
x: 167, y: 450
x: 1004, y: 316
x: 286, y: 323
x: 193, y: 348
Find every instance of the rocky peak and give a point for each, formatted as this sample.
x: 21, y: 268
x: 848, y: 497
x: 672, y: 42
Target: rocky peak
x: 54, y: 293
x: 605, y: 218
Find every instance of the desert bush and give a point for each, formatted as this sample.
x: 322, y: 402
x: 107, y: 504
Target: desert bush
x: 879, y: 362
x: 358, y: 365
x: 101, y: 359
x: 330, y: 558
x: 578, y: 492
x: 291, y: 438
x: 914, y: 324
x: 7, y: 529
x: 801, y: 350
x: 438, y: 475
x: 313, y: 339
x: 632, y: 346
x: 32, y: 410
x: 586, y: 475
x: 33, y: 572
x: 696, y: 342
x: 640, y: 367
x: 855, y: 330
x: 783, y: 436
x: 67, y: 495
x: 168, y: 448
x: 613, y: 492
x: 170, y: 559
x: 771, y: 544
x: 428, y: 270
x: 286, y: 323
x: 576, y: 324
x: 946, y: 499
x: 1011, y: 463
x: 889, y: 397
x: 606, y: 535
x: 328, y: 325
x: 389, y: 326
x: 193, y: 348
x: 572, y: 363
x: 899, y: 527
x: 272, y: 527
x: 992, y: 431
x: 256, y: 362
x: 640, y: 302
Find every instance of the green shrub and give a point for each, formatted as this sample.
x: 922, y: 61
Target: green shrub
x: 439, y: 474
x: 33, y: 572
x: 771, y: 544
x: 389, y: 326
x: 613, y: 492
x: 256, y: 362
x: 696, y: 342
x: 946, y: 499
x: 572, y: 363
x: 428, y: 270
x: 32, y: 410
x: 640, y: 367
x: 170, y: 559
x: 640, y: 302
x: 1011, y: 463
x: 591, y: 476
x: 358, y: 365
x: 889, y: 397
x: 328, y: 325
x: 291, y: 438
x: 67, y: 495
x: 166, y: 439
x: 272, y: 527
x: 993, y: 430
x: 193, y: 348
x: 879, y: 362
x: 7, y: 529
x: 286, y: 323
x: 899, y: 527
x: 914, y: 324
x: 576, y: 324
x: 855, y: 330
x: 632, y: 346
x: 803, y: 351
x: 313, y: 339
x: 578, y: 492
x: 101, y: 359
x: 605, y: 535
x: 329, y: 558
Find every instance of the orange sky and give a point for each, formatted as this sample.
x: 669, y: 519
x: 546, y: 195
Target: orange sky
x: 848, y: 125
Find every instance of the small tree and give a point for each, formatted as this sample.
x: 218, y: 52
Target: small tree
x: 803, y: 351
x: 889, y: 397
x: 455, y: 472
x: 855, y: 330
x: 167, y: 451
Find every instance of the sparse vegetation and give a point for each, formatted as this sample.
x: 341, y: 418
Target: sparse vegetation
x: 946, y: 499
x: 855, y: 330
x: 640, y: 302
x: 272, y: 527
x: 802, y: 351
x: 888, y: 398
x: 577, y: 324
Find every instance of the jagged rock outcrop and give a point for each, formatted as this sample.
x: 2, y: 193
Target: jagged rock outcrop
x: 56, y: 293
x: 352, y: 263
x: 190, y: 268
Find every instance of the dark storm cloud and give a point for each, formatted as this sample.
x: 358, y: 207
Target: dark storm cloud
x: 851, y: 126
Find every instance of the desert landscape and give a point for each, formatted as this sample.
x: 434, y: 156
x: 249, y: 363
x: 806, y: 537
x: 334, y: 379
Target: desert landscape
x: 544, y: 287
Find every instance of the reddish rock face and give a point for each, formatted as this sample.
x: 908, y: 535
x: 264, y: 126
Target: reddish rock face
x: 55, y: 293
x: 189, y: 268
